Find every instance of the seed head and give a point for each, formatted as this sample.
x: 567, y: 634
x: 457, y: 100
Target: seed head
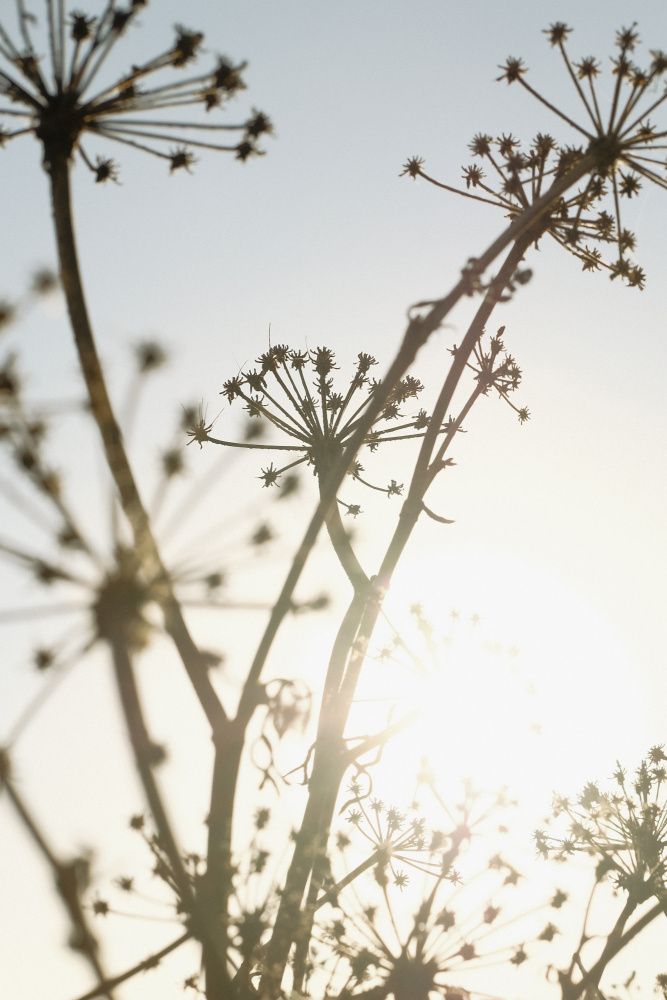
x: 59, y: 100
x: 623, y: 147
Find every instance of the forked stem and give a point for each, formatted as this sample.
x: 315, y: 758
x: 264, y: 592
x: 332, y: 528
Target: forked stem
x: 330, y: 759
x: 416, y: 335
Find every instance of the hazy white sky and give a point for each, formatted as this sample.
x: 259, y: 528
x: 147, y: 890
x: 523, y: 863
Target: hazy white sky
x: 559, y: 536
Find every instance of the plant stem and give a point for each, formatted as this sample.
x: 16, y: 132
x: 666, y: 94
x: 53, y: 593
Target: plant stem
x: 331, y: 758
x: 148, y: 963
x: 425, y: 471
x: 329, y: 765
x: 343, y: 549
x: 418, y: 331
x: 69, y: 889
x: 145, y: 759
x: 616, y: 941
x: 216, y: 886
x: 58, y: 168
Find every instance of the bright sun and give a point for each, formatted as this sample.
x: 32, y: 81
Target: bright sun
x: 517, y: 679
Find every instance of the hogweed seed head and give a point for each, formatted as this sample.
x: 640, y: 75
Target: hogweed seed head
x: 624, y: 147
x: 54, y: 98
x: 294, y: 391
x: 626, y: 829
x: 418, y: 951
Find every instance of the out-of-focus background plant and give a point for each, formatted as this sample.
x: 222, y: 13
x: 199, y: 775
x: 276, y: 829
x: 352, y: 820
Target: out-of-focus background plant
x: 200, y: 741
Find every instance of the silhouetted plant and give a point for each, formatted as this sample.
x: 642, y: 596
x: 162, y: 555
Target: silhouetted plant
x: 260, y: 942
x: 60, y: 107
x: 624, y: 139
x: 625, y: 831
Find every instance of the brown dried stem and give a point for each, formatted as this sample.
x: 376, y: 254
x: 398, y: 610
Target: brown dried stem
x: 58, y: 166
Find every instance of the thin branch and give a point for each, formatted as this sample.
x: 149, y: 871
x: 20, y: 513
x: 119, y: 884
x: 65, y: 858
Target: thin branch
x: 417, y: 333
x: 113, y: 443
x: 146, y: 754
x: 69, y: 885
x: 148, y: 963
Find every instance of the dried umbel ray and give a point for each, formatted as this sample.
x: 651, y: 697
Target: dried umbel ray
x: 627, y: 148
x: 57, y: 100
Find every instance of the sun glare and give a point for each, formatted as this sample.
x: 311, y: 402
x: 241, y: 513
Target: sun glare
x: 514, y: 676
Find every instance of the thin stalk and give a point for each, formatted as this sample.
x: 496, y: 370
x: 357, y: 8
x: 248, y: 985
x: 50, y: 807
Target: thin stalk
x: 304, y: 404
x: 353, y: 422
x: 597, y: 122
x: 133, y: 122
x: 330, y: 760
x: 155, y: 64
x: 475, y: 331
x: 106, y: 46
x: 632, y: 103
x: 114, y: 133
x: 312, y: 828
x: 144, y: 751
x: 69, y: 890
x: 310, y: 405
x: 418, y: 331
x: 293, y: 428
x: 297, y: 403
x: 55, y: 61
x: 148, y: 963
x: 642, y: 117
x: 58, y: 167
x: 354, y: 386
x: 497, y: 202
x: 553, y: 108
x: 260, y: 447
x: 615, y: 942
x: 217, y: 887
x: 344, y: 551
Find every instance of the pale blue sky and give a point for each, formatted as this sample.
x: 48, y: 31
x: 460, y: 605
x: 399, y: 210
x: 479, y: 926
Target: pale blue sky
x: 323, y: 240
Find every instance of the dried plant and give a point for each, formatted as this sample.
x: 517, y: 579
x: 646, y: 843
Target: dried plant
x: 263, y: 906
x: 626, y: 146
x: 60, y: 106
x: 625, y: 831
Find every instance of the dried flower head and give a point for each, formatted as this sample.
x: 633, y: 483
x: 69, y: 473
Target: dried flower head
x: 318, y: 419
x: 55, y: 98
x: 626, y: 829
x: 443, y: 925
x: 621, y: 149
x: 495, y: 369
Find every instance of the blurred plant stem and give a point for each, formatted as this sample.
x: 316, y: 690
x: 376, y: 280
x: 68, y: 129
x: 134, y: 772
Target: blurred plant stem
x: 58, y: 166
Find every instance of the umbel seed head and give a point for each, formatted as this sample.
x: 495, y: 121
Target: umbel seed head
x: 60, y: 101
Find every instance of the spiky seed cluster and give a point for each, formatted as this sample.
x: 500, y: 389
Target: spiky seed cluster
x: 496, y: 369
x: 397, y: 839
x: 418, y: 953
x: 626, y: 829
x: 249, y: 922
x: 110, y: 590
x: 627, y: 150
x: 57, y: 103
x: 318, y: 419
